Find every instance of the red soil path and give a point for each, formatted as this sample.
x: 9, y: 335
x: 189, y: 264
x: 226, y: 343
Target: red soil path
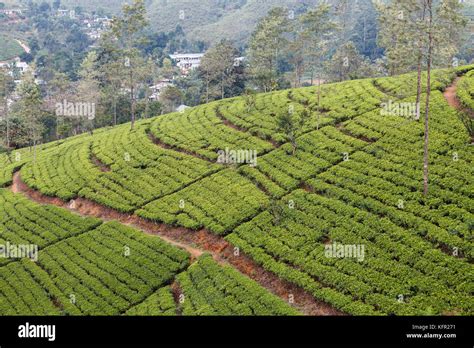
x: 194, y: 242
x: 450, y: 95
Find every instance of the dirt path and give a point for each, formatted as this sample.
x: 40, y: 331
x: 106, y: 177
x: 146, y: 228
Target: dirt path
x: 24, y: 46
x: 450, y: 95
x: 194, y: 242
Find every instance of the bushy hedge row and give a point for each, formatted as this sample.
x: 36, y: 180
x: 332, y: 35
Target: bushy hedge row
x: 111, y: 268
x: 405, y: 85
x: 160, y: 303
x: 25, y: 222
x: 201, y: 132
x: 22, y: 294
x: 280, y: 171
x: 218, y: 202
x: 465, y: 90
x: 62, y: 172
x: 210, y: 289
x: 372, y: 286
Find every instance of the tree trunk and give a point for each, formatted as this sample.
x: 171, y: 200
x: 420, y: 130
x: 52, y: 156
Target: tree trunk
x: 207, y: 89
x: 7, y: 119
x: 418, y: 88
x: 428, y: 93
x: 115, y: 111
x: 147, y: 103
x: 319, y: 100
x: 132, y: 99
x: 222, y: 87
x: 34, y: 151
x: 420, y: 60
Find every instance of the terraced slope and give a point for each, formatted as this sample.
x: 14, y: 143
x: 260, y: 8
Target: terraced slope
x: 354, y: 180
x: 86, y: 267
x: 209, y: 289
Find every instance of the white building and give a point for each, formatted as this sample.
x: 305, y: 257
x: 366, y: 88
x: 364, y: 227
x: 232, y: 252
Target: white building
x: 187, y: 61
x: 12, y: 11
x: 158, y: 88
x: 22, y: 66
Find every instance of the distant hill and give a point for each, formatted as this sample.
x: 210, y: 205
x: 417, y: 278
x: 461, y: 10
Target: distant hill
x: 212, y: 20
x: 207, y: 20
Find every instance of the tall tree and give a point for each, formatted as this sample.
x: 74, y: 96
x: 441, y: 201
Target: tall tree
x: 266, y: 44
x: 318, y: 27
x: 429, y: 8
x: 7, y: 86
x: 401, y: 22
x: 88, y: 89
x: 218, y: 68
x: 290, y: 123
x: 127, y: 31
x: 444, y: 22
x: 347, y: 63
x: 58, y: 89
x: 111, y: 70
x: 170, y: 97
x: 29, y: 109
x: 150, y: 73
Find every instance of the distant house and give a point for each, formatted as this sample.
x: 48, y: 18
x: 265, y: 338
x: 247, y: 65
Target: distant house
x: 12, y: 11
x: 94, y: 35
x: 22, y: 66
x: 62, y: 13
x: 187, y: 61
x: 239, y: 61
x: 158, y: 88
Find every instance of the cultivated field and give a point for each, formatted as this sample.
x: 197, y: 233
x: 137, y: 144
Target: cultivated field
x: 356, y: 178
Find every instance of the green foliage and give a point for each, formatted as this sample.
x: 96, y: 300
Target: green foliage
x: 199, y: 205
x: 132, y: 172
x: 22, y: 221
x: 201, y: 132
x: 357, y: 179
x: 160, y: 303
x: 10, y: 48
x: 465, y: 90
x: 111, y: 268
x: 210, y: 289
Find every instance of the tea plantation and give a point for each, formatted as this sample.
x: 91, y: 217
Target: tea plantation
x: 355, y: 178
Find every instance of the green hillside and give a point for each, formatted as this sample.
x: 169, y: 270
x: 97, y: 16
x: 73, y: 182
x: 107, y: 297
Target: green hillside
x: 356, y: 178
x: 10, y: 48
x: 86, y: 267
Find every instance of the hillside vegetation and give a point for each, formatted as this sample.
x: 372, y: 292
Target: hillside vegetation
x: 354, y: 179
x: 10, y: 48
x: 207, y: 20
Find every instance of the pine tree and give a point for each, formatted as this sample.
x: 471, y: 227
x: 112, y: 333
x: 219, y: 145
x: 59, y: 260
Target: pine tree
x: 88, y: 89
x: 218, y: 68
x: 265, y: 46
x: 127, y: 32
